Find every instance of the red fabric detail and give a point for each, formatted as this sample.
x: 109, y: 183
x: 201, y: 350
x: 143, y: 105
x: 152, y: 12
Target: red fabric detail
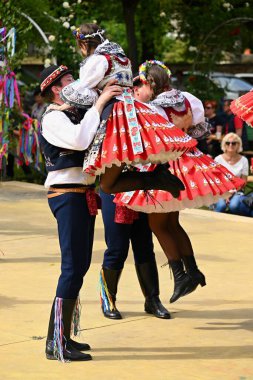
x: 91, y: 198
x: 238, y: 123
x: 157, y: 136
x: 124, y: 215
x: 122, y: 61
x: 52, y: 77
x: 243, y: 108
x: 201, y: 176
x: 109, y: 60
x: 170, y: 110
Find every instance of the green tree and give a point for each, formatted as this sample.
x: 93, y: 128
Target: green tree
x: 211, y: 29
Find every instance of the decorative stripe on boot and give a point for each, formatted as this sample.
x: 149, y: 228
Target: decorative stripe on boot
x: 75, y: 325
x: 106, y: 300
x: 58, y: 331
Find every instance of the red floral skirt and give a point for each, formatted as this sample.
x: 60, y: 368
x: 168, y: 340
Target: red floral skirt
x: 161, y: 141
x: 205, y: 182
x: 243, y: 107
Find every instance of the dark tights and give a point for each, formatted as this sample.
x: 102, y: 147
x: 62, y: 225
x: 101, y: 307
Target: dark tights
x: 172, y: 237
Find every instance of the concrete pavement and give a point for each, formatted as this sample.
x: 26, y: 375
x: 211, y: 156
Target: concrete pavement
x: 210, y: 336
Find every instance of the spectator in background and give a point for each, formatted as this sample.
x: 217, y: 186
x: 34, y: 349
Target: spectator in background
x: 249, y: 131
x: 238, y: 165
x: 232, y: 123
x: 213, y: 141
x: 39, y: 106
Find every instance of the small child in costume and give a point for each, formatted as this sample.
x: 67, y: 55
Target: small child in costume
x: 130, y: 132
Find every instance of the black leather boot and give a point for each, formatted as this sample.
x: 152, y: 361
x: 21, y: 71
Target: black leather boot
x: 71, y: 349
x: 183, y: 282
x: 192, y: 269
x: 109, y: 279
x: 148, y: 278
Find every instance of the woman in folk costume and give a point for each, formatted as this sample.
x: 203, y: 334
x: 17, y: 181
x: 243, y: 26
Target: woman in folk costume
x: 204, y: 181
x: 243, y: 107
x: 130, y: 132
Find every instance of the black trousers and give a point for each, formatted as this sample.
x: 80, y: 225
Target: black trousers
x: 118, y: 237
x: 76, y: 233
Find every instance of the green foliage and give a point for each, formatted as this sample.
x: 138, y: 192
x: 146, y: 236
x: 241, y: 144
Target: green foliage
x: 173, y: 50
x: 213, y: 28
x: 152, y: 24
x: 10, y: 17
x: 199, y: 32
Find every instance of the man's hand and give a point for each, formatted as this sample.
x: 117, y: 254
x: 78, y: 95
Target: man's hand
x: 110, y: 90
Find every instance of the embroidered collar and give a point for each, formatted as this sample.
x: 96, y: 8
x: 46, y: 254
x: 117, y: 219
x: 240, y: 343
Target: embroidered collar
x: 170, y: 98
x: 108, y: 47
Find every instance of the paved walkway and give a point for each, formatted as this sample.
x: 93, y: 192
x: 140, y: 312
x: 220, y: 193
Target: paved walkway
x: 209, y: 338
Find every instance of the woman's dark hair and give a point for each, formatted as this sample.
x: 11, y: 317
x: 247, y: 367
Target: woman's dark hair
x: 48, y: 94
x: 160, y: 78
x: 136, y: 80
x: 90, y: 42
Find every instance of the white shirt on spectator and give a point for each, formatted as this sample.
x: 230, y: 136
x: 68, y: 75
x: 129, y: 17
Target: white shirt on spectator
x: 239, y: 169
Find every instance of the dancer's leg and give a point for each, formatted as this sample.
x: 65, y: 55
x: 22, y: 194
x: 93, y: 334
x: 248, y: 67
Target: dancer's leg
x: 117, y: 238
x: 159, y: 224
x: 183, y: 283
x: 182, y: 239
x: 75, y: 229
x: 185, y: 249
x: 114, y: 181
x: 146, y: 268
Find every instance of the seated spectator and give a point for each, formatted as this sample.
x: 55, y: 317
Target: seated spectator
x: 213, y: 141
x: 231, y: 145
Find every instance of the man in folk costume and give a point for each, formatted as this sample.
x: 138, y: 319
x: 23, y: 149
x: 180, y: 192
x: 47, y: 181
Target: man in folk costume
x: 65, y: 136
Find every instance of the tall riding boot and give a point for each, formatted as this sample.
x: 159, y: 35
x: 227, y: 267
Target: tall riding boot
x: 59, y: 345
x: 183, y: 282
x: 148, y: 278
x: 109, y: 279
x: 192, y: 269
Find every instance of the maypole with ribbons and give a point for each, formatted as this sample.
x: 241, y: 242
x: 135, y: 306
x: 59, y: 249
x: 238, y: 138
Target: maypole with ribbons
x: 25, y: 129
